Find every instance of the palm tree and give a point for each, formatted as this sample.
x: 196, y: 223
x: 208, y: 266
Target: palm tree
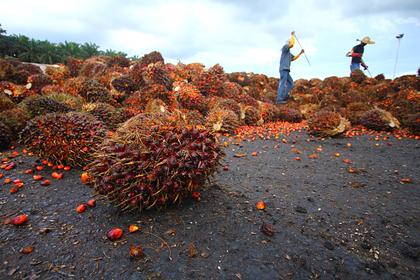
x: 89, y: 50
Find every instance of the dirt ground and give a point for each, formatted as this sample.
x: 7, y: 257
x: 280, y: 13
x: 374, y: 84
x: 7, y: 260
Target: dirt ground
x: 328, y: 223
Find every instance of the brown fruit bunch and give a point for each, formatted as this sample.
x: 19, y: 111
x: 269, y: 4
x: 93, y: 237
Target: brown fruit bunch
x: 118, y: 60
x: 269, y: 112
x: 67, y: 139
x: 358, y: 76
x: 327, y: 123
x: 289, y: 115
x: 15, y: 119
x: 92, y: 68
x: 378, y: 119
x: 251, y: 115
x: 153, y: 160
x: 222, y: 120
x: 240, y: 78
x: 93, y: 91
x: 189, y: 97
x: 210, y: 82
x: 156, y: 74
x: 227, y: 104
x: 105, y: 113
x: 150, y: 58
x: 6, y: 103
x: 58, y: 73
x: 74, y: 65
x: 356, y: 110
x: 40, y: 105
x: 412, y: 121
x: 124, y: 84
x: 38, y: 81
x: 5, y: 136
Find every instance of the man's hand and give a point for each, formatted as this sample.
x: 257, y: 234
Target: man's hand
x: 365, y: 66
x: 302, y: 51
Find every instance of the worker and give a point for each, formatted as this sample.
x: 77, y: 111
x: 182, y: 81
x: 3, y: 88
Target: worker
x: 356, y: 54
x: 286, y: 81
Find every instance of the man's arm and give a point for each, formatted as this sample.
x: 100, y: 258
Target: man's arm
x: 296, y: 57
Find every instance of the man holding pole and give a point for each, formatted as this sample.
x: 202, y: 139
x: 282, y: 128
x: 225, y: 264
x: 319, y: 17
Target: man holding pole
x: 356, y: 54
x: 286, y: 81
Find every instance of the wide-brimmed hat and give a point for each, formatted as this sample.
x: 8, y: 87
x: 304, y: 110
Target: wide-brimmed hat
x: 367, y: 40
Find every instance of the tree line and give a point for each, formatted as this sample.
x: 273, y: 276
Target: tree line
x: 42, y: 51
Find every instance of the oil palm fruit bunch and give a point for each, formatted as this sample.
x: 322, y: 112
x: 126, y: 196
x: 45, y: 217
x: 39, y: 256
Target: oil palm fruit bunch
x: 15, y: 119
x: 38, y: 81
x: 93, y: 91
x: 67, y: 139
x: 105, y: 113
x: 156, y: 74
x: 157, y: 91
x: 74, y: 65
x: 74, y: 102
x: 156, y: 105
x: 5, y: 136
x: 15, y: 92
x: 269, y: 112
x: 358, y: 76
x: 222, y: 120
x: 240, y: 78
x: 355, y: 111
x: 124, y: 84
x: 6, y: 103
x: 154, y: 160
x: 58, y: 73
x: 412, y: 121
x: 118, y: 60
x: 210, y: 82
x: 193, y: 117
x: 227, y: 104
x: 74, y: 85
x: 150, y: 58
x: 327, y: 123
x: 289, y: 115
x: 251, y: 115
x: 232, y: 90
x: 189, y: 97
x: 247, y: 100
x: 92, y: 68
x: 40, y: 105
x: 378, y: 119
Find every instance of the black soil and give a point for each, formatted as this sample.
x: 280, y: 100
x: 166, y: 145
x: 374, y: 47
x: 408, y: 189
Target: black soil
x: 327, y: 223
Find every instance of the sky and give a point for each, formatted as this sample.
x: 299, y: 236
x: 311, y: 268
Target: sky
x: 240, y: 35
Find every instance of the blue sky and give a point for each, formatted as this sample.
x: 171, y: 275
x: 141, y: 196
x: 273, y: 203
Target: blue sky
x: 239, y: 35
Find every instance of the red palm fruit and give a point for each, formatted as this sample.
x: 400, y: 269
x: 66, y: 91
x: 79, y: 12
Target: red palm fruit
x: 57, y: 175
x: 114, y: 234
x: 84, y: 177
x: 133, y: 228
x: 17, y: 181
x: 44, y: 162
x: 28, y: 171
x: 91, y: 202
x: 81, y: 208
x: 67, y: 168
x: 196, y: 196
x: 7, y: 181
x: 39, y: 167
x: 260, y: 205
x: 10, y: 166
x: 14, y: 189
x: 37, y: 177
x: 45, y: 183
x: 19, y: 220
x: 60, y: 166
x: 1, y: 175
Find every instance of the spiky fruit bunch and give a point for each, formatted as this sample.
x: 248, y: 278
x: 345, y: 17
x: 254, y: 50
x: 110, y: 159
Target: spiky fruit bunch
x: 92, y: 68
x: 38, y: 81
x: 358, y: 76
x: 412, y: 121
x: 75, y: 103
x: 5, y: 136
x: 289, y: 115
x: 156, y: 105
x: 210, y: 82
x: 74, y: 65
x: 67, y: 139
x: 379, y: 119
x: 15, y: 119
x: 247, y: 100
x: 332, y: 82
x: 105, y: 113
x: 228, y: 104
x: 231, y: 90
x: 118, y: 60
x: 193, y: 117
x: 40, y: 105
x: 93, y: 91
x: 189, y: 97
x: 356, y: 110
x: 269, y: 112
x: 327, y: 123
x: 6, y: 103
x: 156, y: 91
x: 15, y: 92
x: 144, y: 171
x: 58, y: 73
x: 251, y: 115
x: 240, y: 78
x: 150, y: 58
x: 222, y: 120
x: 124, y: 84
x: 74, y: 86
x: 156, y: 74
x: 253, y: 92
x: 193, y: 70
x: 51, y: 89
x: 135, y: 103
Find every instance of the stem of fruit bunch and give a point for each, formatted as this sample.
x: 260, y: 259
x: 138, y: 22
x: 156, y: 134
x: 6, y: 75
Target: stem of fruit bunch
x: 163, y: 242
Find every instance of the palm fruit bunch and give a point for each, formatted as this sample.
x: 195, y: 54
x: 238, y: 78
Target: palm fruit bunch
x: 378, y: 119
x: 51, y: 89
x: 118, y: 60
x: 105, y: 113
x: 251, y: 115
x: 23, y: 71
x: 269, y: 112
x: 93, y: 91
x: 327, y: 123
x: 156, y: 105
x: 222, y: 120
x: 74, y: 65
x: 412, y: 121
x: 189, y: 97
x: 6, y: 103
x: 177, y: 73
x: 58, y: 74
x: 253, y: 92
x: 226, y: 104
x: 356, y: 110
x: 240, y: 78
x: 351, y: 96
x: 5, y: 136
x: 332, y: 82
x: 135, y: 103
x: 406, y: 82
x: 38, y: 81
x: 210, y: 82
x: 193, y: 71
x: 193, y: 117
x: 154, y: 91
x: 40, y: 105
x: 358, y: 76
x: 308, y: 110
x: 124, y: 84
x: 67, y: 139
x: 92, y: 68
x: 156, y: 74
x: 15, y: 92
x: 289, y: 115
x: 247, y: 100
x: 151, y: 58
x: 15, y: 119
x: 231, y: 90
x: 74, y: 85
x: 154, y: 160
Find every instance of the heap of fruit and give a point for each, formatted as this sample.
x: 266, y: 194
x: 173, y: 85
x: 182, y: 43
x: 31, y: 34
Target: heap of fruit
x: 152, y: 160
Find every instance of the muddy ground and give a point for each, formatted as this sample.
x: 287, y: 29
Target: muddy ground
x: 328, y: 223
